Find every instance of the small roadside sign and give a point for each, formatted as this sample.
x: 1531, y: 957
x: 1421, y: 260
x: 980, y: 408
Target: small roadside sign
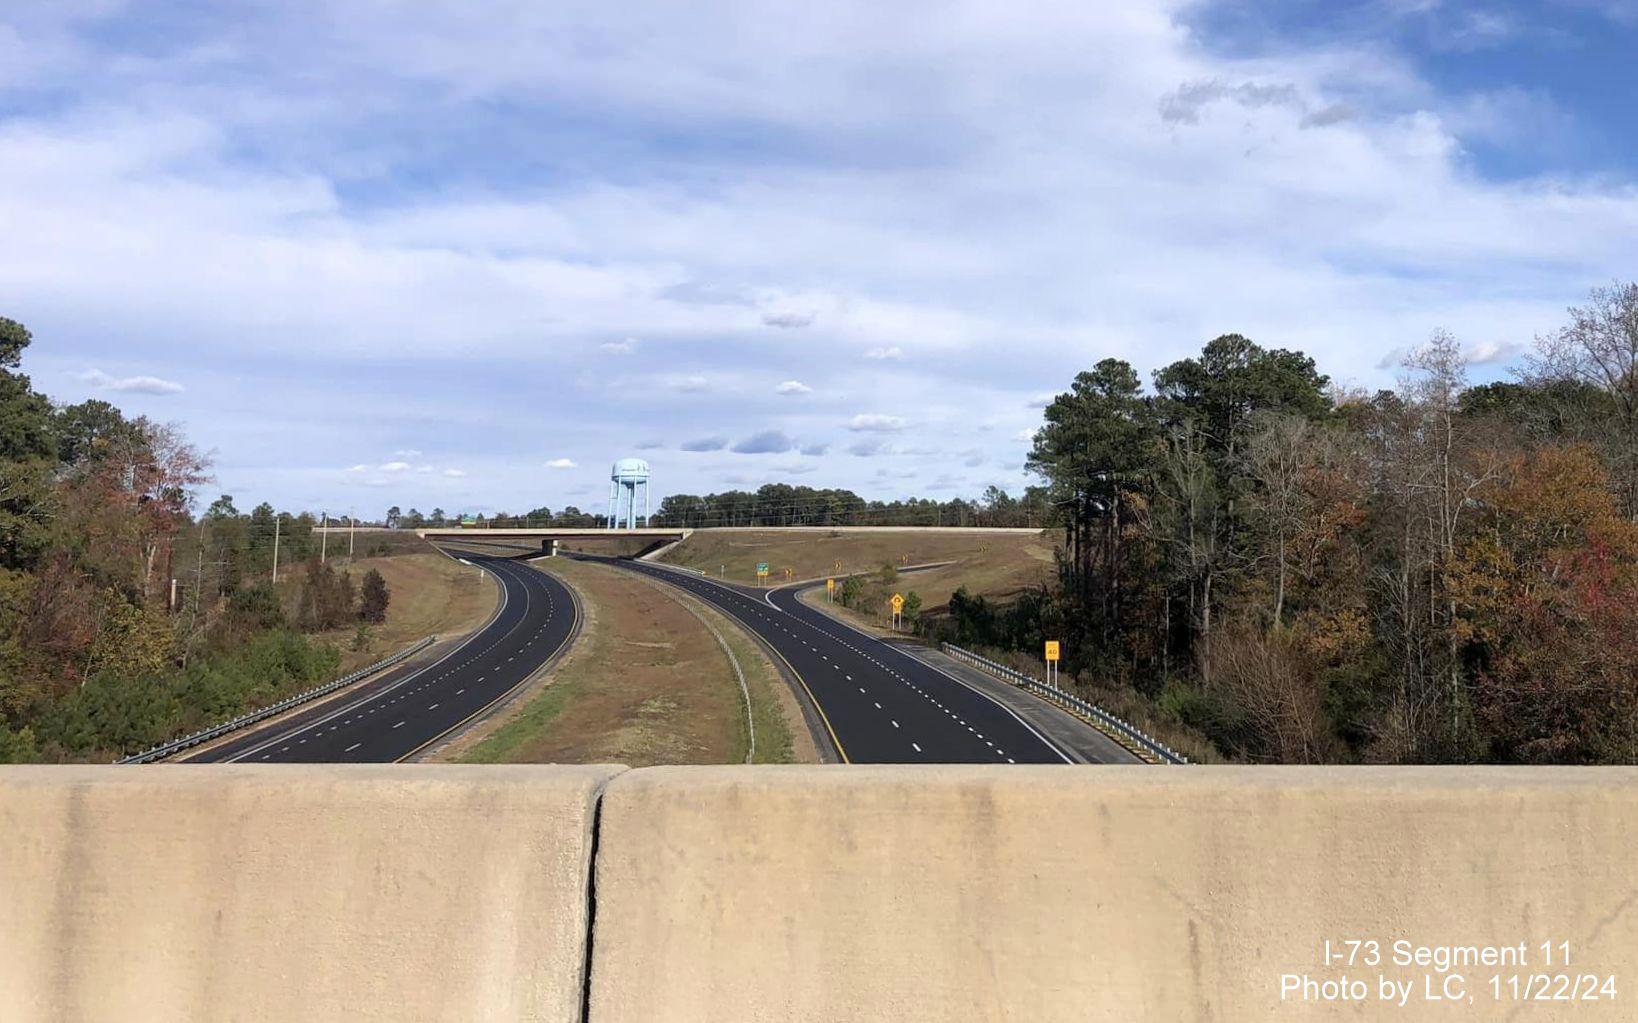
x: 830, y: 584
x: 762, y: 568
x: 898, y: 603
x: 830, y: 589
x: 1052, y: 662
x: 1052, y: 650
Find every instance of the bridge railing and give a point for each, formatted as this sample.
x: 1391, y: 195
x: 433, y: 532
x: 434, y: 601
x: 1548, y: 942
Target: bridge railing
x: 175, y: 746
x: 1143, y: 740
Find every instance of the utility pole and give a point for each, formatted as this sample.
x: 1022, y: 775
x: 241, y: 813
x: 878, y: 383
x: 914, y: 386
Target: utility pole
x: 278, y: 520
x: 324, y: 536
x: 352, y: 520
x: 198, y: 583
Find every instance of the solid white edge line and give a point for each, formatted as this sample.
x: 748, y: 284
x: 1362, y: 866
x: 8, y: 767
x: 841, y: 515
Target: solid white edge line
x: 1048, y: 743
x: 505, y: 599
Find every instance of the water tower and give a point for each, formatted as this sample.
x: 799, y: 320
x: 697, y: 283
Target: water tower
x: 628, y: 475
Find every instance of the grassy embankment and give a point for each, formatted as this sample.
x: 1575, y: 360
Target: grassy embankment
x: 646, y: 684
x: 1003, y: 563
x: 998, y: 566
x: 429, y: 595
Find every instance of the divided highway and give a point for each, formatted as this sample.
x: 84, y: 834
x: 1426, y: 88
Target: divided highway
x: 399, y: 714
x: 880, y: 704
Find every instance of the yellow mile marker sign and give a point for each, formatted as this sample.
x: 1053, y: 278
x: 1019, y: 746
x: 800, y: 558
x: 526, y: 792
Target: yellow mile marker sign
x: 830, y: 589
x: 1052, y: 662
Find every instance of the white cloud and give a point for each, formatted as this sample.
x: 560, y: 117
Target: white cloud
x: 1025, y: 435
x: 1347, y: 213
x: 129, y: 385
x: 1485, y: 353
x: 359, y: 468
x: 793, y: 387
x: 407, y: 453
x: 876, y: 423
x: 561, y: 463
x: 455, y: 474
x: 396, y: 467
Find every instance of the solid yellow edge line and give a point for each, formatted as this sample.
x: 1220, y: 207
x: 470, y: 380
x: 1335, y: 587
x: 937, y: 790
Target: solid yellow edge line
x: 840, y: 751
x: 813, y: 700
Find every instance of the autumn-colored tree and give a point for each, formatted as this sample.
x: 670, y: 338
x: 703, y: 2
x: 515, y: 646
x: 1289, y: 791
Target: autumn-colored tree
x: 1550, y: 584
x: 93, y: 507
x: 131, y: 639
x: 1598, y: 350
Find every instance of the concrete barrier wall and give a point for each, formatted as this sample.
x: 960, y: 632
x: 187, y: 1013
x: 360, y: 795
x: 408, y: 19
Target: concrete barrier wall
x: 834, y: 894
x: 294, y: 894
x: 1108, y: 893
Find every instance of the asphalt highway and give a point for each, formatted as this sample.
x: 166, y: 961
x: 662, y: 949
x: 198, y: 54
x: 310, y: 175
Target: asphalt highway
x: 879, y: 704
x: 394, y: 717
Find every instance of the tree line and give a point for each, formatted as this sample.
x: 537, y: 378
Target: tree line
x: 780, y: 504
x: 124, y: 618
x: 772, y: 505
x: 1438, y: 572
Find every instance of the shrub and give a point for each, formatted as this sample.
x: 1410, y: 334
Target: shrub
x: 373, y: 598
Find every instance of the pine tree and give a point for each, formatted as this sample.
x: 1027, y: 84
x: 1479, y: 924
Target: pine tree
x: 373, y: 598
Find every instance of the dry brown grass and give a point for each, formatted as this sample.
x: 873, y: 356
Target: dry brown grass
x: 1000, y: 560
x: 647, y: 683
x: 1000, y: 574
x: 430, y: 595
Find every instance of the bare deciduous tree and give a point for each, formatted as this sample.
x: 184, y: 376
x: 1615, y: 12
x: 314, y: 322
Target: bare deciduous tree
x: 1599, y: 348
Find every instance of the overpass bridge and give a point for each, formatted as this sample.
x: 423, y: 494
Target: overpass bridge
x: 549, y: 538
x: 881, y: 894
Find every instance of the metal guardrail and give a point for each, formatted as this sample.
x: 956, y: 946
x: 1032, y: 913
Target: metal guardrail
x: 164, y: 750
x: 1160, y: 750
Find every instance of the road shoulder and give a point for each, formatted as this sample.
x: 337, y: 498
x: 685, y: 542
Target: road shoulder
x: 1080, y: 740
x: 360, y: 690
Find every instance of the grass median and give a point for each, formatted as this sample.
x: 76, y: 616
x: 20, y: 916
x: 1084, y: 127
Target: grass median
x: 647, y: 683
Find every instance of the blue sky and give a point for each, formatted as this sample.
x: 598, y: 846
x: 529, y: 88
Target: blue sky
x: 392, y: 253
